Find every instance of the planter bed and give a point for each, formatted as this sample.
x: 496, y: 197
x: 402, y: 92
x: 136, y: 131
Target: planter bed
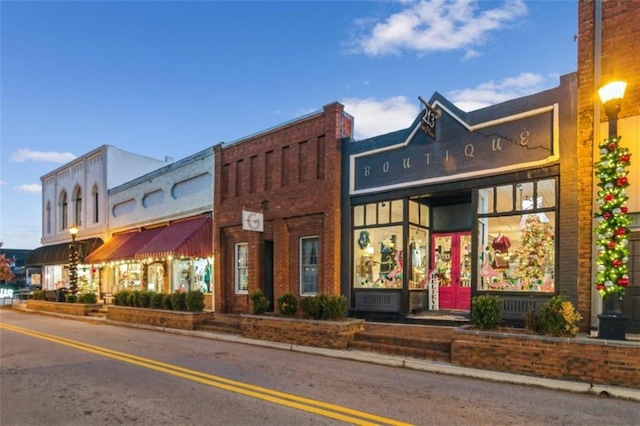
x: 157, y: 317
x: 581, y: 359
x: 79, y: 309
x: 322, y: 334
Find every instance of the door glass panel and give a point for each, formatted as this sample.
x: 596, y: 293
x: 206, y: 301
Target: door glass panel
x: 465, y: 260
x: 442, y: 259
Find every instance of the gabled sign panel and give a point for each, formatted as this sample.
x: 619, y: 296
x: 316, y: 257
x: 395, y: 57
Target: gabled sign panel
x: 459, y: 151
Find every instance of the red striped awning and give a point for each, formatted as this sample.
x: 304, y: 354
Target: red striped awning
x: 103, y: 253
x: 185, y: 238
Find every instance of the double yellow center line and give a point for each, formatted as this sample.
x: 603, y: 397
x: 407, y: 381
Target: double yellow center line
x: 305, y: 404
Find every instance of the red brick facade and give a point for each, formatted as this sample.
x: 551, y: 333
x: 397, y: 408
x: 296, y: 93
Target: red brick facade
x: 292, y: 173
x: 620, y: 60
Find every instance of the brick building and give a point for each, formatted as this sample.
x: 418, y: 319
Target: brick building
x: 608, y: 49
x: 277, y: 211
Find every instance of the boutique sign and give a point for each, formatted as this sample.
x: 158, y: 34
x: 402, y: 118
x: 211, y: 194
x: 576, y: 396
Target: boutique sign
x: 460, y: 150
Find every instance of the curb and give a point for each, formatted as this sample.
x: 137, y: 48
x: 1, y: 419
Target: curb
x: 387, y: 360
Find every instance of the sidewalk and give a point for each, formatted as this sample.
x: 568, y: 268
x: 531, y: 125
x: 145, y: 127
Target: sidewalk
x: 388, y: 360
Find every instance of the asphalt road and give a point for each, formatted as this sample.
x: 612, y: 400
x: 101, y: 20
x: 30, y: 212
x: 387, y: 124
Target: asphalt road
x: 64, y: 372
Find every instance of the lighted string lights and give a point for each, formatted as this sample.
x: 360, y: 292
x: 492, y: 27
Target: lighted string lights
x: 612, y: 231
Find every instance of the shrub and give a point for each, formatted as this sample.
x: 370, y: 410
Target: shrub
x: 323, y: 307
x: 132, y: 299
x: 120, y: 298
x: 486, y: 311
x: 259, y: 302
x: 156, y: 300
x: 38, y: 295
x: 144, y: 299
x: 335, y: 308
x: 287, y: 304
x: 557, y: 317
x: 167, y: 302
x: 70, y: 298
x: 194, y: 301
x: 311, y: 307
x: 89, y: 298
x: 178, y: 301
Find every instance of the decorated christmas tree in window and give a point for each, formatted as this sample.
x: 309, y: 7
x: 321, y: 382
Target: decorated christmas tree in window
x: 536, y: 251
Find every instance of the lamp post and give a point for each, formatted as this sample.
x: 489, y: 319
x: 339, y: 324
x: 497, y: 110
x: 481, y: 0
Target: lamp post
x: 613, y: 227
x: 73, y: 261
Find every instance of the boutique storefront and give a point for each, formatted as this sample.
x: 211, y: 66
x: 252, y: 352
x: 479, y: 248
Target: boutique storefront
x: 461, y: 204
x: 164, y: 258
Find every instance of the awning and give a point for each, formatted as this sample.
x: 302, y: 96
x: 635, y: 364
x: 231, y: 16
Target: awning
x: 58, y: 254
x: 103, y: 253
x: 123, y: 246
x: 186, y: 238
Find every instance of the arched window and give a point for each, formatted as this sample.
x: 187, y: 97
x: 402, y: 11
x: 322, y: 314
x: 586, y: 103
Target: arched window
x: 96, y: 204
x: 64, y: 211
x: 78, y: 210
x: 48, y: 217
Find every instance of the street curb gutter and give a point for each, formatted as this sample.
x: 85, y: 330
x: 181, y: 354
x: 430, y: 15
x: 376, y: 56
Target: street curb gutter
x: 387, y: 360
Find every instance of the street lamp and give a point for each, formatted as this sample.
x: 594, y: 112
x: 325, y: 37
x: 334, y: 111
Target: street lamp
x: 613, y: 221
x: 73, y: 261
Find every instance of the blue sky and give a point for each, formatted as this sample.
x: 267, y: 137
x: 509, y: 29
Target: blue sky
x: 170, y: 78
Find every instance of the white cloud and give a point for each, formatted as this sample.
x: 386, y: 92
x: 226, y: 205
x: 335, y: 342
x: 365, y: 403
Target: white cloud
x: 23, y: 155
x: 428, y: 26
x: 31, y: 188
x: 491, y: 92
x: 376, y: 117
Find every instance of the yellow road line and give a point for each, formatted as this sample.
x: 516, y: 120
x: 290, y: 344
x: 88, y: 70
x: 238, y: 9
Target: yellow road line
x: 305, y: 404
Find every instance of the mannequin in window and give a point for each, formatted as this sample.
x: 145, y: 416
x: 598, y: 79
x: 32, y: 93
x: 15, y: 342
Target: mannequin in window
x: 500, y: 247
x: 387, y: 253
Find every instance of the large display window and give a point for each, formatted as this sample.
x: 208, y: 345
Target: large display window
x: 379, y: 257
x: 516, y: 235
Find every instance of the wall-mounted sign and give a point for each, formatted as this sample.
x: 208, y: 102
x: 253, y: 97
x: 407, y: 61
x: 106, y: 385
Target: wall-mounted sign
x: 460, y: 151
x: 428, y: 120
x: 252, y: 221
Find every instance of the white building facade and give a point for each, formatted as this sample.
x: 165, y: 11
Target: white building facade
x: 75, y: 194
x: 159, y: 234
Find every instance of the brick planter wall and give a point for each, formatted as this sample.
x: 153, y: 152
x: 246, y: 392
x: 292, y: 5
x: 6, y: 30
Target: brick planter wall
x: 157, y: 317
x: 578, y: 359
x: 321, y: 334
x: 79, y: 309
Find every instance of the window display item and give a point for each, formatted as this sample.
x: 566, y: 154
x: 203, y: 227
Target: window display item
x: 501, y: 246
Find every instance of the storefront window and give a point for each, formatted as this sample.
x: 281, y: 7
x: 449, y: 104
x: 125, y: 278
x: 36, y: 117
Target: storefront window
x: 517, y: 252
x: 128, y: 276
x: 242, y: 268
x: 155, y: 277
x: 417, y: 262
x: 379, y: 247
x: 189, y: 274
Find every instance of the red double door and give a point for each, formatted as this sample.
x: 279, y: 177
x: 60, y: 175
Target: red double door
x: 451, y: 258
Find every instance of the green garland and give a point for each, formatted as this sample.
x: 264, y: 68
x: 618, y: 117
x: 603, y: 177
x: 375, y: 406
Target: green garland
x: 612, y: 241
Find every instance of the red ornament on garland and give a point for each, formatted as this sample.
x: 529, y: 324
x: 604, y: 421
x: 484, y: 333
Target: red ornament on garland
x: 623, y: 281
x: 622, y: 181
x: 607, y: 215
x: 612, y: 244
x: 621, y: 231
x: 625, y: 158
x: 599, y: 286
x: 608, y: 197
x: 617, y: 263
x: 611, y: 146
x: 624, y: 209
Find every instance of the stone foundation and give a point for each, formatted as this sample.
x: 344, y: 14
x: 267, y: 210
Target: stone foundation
x: 79, y: 309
